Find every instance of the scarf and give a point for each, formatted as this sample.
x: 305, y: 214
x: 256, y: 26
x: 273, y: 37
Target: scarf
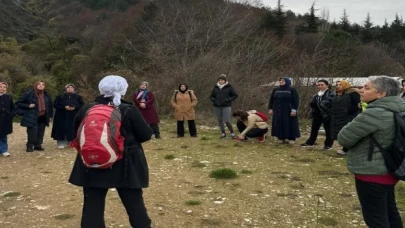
x: 345, y: 86
x: 143, y: 94
x: 41, y: 100
x: 321, y: 93
x: 222, y: 86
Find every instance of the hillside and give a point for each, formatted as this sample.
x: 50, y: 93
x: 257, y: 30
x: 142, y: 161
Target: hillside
x: 16, y: 20
x: 168, y: 41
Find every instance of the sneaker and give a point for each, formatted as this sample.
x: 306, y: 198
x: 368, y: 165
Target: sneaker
x: 179, y: 136
x: 30, y: 149
x: 306, y: 145
x: 280, y: 141
x: 261, y: 138
x: 341, y: 152
x: 327, y: 148
x: 6, y: 154
x: 233, y: 136
x: 291, y: 142
x: 61, y: 147
x: 223, y: 135
x: 194, y: 136
x: 158, y: 137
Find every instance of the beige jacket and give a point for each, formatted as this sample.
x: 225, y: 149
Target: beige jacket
x: 183, y: 104
x: 254, y: 121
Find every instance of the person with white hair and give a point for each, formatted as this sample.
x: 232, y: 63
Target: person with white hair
x: 128, y: 175
x: 369, y: 131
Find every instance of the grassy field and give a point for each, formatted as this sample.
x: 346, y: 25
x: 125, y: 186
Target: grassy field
x: 274, y: 186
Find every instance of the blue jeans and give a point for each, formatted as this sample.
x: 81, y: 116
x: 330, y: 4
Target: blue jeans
x: 3, y: 144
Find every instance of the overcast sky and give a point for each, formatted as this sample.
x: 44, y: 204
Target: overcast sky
x: 356, y: 9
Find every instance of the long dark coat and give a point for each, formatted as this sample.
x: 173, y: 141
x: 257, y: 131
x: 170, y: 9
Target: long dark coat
x: 129, y: 172
x: 223, y: 97
x: 30, y: 116
x: 149, y: 113
x: 63, y: 120
x: 282, y: 102
x: 344, y: 109
x: 6, y: 114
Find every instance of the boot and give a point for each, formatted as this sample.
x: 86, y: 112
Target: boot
x: 30, y: 148
x: 39, y: 148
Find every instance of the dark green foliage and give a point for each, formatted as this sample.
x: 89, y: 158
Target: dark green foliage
x: 112, y: 4
x: 367, y: 34
x: 275, y: 20
x: 224, y: 173
x: 344, y: 23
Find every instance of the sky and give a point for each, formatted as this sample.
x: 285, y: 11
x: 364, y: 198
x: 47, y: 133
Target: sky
x: 356, y: 9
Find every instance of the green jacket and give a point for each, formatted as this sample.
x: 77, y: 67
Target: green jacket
x: 376, y: 121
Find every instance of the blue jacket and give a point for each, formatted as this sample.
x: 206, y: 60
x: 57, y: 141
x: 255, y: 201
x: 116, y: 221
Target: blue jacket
x: 31, y: 114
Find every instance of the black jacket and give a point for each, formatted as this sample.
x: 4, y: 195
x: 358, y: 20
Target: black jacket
x: 344, y: 109
x: 223, y: 97
x: 321, y: 105
x: 62, y: 128
x: 31, y: 114
x: 129, y: 172
x: 6, y: 114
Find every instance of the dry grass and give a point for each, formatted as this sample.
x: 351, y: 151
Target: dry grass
x: 281, y: 186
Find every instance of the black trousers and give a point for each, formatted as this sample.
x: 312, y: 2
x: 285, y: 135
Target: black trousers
x: 317, y: 121
x: 155, y: 128
x: 94, y: 205
x: 252, y: 133
x: 191, y: 128
x: 378, y: 205
x: 36, y: 134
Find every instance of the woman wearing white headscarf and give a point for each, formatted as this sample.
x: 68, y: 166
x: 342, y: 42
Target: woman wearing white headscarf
x: 128, y: 175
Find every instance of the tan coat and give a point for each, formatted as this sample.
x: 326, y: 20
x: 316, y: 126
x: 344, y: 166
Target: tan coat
x: 183, y: 105
x: 254, y: 121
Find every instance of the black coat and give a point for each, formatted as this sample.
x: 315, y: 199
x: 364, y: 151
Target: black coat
x: 321, y: 105
x: 129, y: 172
x: 62, y: 128
x: 30, y: 116
x: 6, y: 114
x: 344, y: 109
x: 223, y: 97
x: 282, y: 102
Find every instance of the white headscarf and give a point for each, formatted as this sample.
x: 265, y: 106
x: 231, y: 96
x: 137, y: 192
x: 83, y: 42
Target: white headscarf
x: 113, y: 86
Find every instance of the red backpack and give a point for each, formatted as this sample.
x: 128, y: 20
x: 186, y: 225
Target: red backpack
x: 98, y: 140
x: 262, y: 115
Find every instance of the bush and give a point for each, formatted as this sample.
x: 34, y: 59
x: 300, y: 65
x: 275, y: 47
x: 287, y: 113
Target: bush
x: 224, y: 173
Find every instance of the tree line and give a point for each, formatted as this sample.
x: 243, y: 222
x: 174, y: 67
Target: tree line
x: 168, y: 42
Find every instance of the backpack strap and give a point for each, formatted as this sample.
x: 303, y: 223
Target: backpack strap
x: 175, y: 96
x: 191, y: 98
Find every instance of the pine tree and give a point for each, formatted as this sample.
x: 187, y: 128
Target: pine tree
x: 344, y: 22
x: 396, y: 28
x: 280, y: 20
x: 312, y: 20
x: 334, y: 25
x: 367, y: 32
x: 275, y: 20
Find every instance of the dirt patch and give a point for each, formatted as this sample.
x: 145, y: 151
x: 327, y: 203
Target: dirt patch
x: 276, y: 186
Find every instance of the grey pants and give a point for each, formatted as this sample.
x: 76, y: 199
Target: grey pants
x: 223, y: 114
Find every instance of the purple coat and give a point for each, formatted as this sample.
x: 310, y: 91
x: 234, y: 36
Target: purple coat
x: 149, y: 113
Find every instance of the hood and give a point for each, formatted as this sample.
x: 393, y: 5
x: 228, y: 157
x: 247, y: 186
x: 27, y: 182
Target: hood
x: 393, y: 103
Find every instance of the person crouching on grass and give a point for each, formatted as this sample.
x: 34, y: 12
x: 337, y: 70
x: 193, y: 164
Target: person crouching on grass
x: 250, y: 125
